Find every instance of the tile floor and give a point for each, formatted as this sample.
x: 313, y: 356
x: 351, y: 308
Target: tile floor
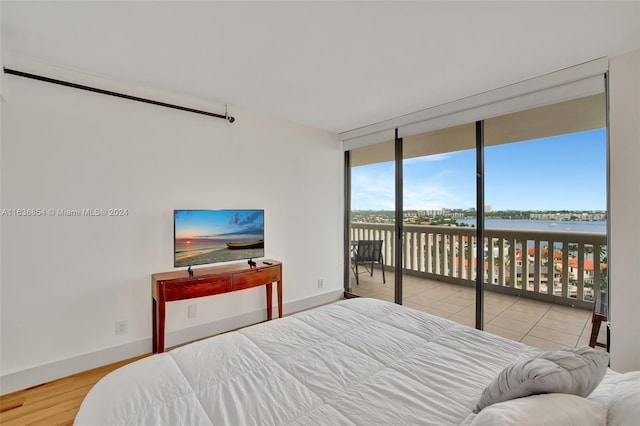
x: 540, y: 324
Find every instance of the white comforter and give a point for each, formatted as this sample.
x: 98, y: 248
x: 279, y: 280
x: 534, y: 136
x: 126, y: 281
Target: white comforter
x: 358, y: 361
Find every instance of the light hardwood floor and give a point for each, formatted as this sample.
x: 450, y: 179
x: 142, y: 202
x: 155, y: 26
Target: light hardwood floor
x: 53, y: 403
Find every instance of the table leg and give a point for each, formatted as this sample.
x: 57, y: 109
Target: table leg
x: 269, y: 301
x: 280, y: 299
x: 154, y: 327
x: 161, y: 314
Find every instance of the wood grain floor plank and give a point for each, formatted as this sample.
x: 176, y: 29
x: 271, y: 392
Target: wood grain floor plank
x: 53, y: 403
x: 47, y: 403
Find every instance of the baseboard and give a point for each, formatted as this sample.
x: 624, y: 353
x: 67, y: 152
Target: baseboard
x: 56, y: 370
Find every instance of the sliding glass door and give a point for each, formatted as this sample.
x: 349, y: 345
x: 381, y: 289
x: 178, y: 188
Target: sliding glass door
x: 439, y: 198
x: 372, y: 225
x: 545, y: 216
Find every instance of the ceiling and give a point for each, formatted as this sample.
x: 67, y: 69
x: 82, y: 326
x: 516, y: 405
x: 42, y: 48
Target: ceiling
x: 331, y: 65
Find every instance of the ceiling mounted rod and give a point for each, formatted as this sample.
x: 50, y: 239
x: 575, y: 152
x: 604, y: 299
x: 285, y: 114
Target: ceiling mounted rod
x: 226, y: 117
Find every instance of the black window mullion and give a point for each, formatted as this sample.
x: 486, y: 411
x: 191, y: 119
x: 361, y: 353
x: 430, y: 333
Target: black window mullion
x: 480, y: 225
x: 347, y: 224
x: 399, y: 220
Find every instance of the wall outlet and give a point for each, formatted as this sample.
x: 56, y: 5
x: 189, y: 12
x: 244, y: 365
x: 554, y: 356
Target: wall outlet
x: 121, y: 327
x: 320, y: 283
x: 192, y: 311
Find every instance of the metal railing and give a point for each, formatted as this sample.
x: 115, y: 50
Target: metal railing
x: 561, y: 267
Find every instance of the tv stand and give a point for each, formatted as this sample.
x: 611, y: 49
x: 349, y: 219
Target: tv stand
x: 179, y: 285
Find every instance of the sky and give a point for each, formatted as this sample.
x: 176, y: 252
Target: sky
x: 217, y: 223
x: 565, y: 172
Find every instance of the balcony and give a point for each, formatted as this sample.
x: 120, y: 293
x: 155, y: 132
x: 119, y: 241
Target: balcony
x: 440, y: 268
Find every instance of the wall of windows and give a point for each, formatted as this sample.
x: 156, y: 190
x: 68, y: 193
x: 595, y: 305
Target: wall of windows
x: 469, y: 241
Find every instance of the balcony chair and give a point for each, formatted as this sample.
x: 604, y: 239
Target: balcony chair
x: 600, y: 312
x: 366, y: 253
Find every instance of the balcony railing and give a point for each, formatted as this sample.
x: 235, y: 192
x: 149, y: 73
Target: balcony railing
x: 562, y: 267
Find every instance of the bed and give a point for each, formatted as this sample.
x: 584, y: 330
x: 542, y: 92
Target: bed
x: 354, y: 362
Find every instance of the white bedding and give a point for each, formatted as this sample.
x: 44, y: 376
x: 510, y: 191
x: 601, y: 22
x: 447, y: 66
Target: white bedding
x: 359, y: 361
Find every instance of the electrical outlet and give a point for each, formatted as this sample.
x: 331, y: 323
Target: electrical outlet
x: 192, y: 311
x: 320, y: 283
x: 121, y: 327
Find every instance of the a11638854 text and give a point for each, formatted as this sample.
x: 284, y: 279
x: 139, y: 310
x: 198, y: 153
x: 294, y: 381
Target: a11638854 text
x: 61, y: 212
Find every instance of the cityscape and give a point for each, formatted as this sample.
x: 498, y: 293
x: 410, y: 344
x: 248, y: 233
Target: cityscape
x: 460, y: 217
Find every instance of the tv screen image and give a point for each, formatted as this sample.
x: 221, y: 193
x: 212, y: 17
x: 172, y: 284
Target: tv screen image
x: 212, y: 236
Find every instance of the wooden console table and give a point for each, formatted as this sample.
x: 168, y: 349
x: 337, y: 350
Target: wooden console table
x: 178, y: 285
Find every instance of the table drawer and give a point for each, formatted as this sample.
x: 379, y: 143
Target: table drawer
x: 255, y: 278
x: 187, y: 289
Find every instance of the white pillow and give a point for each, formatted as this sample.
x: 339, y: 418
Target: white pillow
x: 558, y: 409
x: 624, y: 403
x: 574, y: 371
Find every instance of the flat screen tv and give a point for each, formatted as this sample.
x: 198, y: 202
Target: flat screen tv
x: 212, y: 236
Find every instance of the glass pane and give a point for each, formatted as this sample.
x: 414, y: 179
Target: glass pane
x: 372, y: 230
x: 545, y: 192
x: 439, y: 197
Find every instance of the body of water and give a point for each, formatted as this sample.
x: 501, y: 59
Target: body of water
x: 598, y: 226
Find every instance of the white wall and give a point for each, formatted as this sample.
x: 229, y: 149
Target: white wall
x: 65, y: 281
x: 624, y: 179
